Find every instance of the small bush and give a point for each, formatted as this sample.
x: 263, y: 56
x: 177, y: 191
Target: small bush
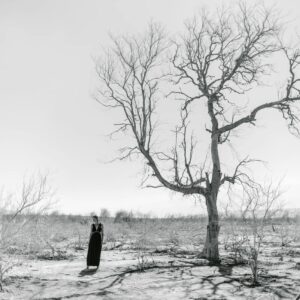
x: 123, y: 216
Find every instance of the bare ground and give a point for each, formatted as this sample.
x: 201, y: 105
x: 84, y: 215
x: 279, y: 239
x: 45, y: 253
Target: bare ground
x: 124, y: 274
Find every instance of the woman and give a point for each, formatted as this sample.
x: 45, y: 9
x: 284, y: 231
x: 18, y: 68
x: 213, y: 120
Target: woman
x: 95, y: 243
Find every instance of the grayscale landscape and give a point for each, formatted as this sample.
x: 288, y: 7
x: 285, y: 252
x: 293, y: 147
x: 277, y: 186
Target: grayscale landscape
x: 151, y: 259
x: 149, y: 149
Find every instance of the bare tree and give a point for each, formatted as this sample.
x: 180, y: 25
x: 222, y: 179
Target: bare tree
x: 215, y: 62
x: 36, y: 196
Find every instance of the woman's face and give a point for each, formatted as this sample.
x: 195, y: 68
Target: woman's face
x: 95, y: 221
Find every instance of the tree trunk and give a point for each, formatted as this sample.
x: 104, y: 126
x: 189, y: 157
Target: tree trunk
x: 211, y: 247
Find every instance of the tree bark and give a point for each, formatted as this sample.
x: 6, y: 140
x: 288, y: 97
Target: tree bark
x: 211, y: 247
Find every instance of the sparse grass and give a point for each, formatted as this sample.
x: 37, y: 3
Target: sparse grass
x: 60, y: 232
x: 56, y: 237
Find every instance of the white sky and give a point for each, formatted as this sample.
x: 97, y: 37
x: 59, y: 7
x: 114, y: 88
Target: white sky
x: 49, y: 122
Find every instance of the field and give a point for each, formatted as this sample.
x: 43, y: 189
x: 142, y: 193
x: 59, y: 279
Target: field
x: 147, y: 259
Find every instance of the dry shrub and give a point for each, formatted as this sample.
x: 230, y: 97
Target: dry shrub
x: 17, y: 210
x: 258, y: 206
x: 142, y: 244
x: 123, y: 216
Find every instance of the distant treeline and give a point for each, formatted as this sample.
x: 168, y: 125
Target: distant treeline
x: 129, y: 216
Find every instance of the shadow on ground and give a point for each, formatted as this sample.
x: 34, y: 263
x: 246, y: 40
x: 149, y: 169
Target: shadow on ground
x: 87, y: 272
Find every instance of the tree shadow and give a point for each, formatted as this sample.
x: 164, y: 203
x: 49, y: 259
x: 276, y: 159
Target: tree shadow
x: 225, y: 270
x: 214, y: 282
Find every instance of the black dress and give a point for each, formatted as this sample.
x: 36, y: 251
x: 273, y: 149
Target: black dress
x: 95, y: 245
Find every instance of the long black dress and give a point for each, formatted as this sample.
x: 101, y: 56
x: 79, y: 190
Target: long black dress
x: 95, y: 245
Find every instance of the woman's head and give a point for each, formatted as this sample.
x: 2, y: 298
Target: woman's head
x: 95, y: 219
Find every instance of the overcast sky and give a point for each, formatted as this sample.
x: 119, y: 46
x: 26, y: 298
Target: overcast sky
x: 49, y: 121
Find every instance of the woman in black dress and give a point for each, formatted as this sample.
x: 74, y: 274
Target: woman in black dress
x: 95, y: 243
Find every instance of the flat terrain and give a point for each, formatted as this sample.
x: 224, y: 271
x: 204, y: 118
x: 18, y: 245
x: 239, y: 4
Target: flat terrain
x: 165, y: 270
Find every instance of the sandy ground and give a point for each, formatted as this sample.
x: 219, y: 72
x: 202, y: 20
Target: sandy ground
x: 170, y: 277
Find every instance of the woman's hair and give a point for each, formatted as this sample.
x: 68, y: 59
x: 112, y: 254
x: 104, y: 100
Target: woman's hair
x: 95, y: 217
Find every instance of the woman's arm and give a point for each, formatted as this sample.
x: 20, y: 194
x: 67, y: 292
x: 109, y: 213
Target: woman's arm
x: 91, y: 231
x: 102, y: 231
